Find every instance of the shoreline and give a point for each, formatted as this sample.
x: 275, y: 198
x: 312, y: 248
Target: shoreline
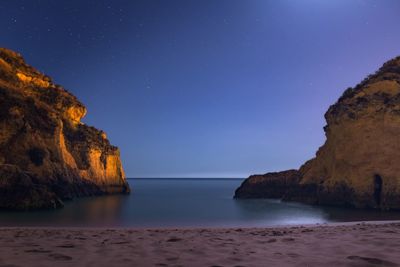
x: 364, y: 243
x: 140, y: 228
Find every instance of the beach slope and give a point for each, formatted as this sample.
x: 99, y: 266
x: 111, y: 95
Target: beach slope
x: 352, y: 244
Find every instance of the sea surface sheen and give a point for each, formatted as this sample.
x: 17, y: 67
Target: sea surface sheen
x: 180, y: 202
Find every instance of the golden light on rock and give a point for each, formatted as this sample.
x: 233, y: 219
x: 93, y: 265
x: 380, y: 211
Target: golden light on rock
x: 32, y: 80
x: 43, y: 141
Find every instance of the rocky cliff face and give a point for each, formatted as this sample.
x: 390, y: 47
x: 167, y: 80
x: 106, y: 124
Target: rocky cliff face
x: 46, y: 153
x: 358, y: 164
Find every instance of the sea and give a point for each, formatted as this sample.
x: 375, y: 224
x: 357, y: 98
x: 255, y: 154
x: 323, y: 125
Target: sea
x: 181, y: 203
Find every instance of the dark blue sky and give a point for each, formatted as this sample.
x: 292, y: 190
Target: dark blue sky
x: 205, y: 88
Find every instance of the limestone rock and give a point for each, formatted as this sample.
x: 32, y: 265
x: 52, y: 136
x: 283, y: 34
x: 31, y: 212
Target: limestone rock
x: 46, y: 153
x: 358, y: 164
x: 270, y: 185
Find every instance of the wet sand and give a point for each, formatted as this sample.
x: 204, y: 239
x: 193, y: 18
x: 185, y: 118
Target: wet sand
x: 352, y: 244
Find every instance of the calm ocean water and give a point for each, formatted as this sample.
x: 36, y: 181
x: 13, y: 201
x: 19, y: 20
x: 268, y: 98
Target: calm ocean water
x: 185, y: 203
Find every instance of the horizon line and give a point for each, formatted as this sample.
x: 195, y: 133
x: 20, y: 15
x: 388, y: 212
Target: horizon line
x: 185, y: 177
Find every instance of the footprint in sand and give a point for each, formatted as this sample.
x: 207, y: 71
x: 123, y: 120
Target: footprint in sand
x: 172, y: 259
x: 120, y: 243
x: 288, y: 239
x: 174, y: 239
x: 66, y: 246
x: 60, y: 257
x: 37, y: 251
x: 374, y: 261
x: 276, y: 233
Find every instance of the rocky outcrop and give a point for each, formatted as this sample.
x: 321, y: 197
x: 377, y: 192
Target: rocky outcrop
x: 270, y: 185
x: 47, y: 154
x: 358, y: 164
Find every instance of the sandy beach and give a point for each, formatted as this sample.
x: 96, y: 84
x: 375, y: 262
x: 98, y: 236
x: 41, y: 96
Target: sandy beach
x: 351, y: 244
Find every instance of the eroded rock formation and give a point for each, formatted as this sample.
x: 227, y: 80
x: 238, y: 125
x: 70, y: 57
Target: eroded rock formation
x: 46, y: 153
x: 358, y: 165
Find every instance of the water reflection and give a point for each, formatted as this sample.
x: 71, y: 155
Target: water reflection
x: 335, y: 214
x: 103, y: 211
x: 265, y: 212
x: 96, y: 211
x: 185, y: 203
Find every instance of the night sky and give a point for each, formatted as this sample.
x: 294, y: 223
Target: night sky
x: 205, y: 88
